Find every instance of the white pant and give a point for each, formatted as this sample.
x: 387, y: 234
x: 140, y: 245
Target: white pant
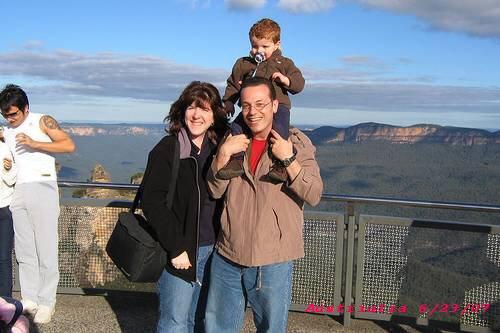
x: 35, y: 212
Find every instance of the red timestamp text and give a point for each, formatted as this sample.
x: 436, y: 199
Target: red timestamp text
x: 431, y: 309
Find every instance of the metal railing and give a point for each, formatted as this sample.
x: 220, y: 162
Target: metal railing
x: 356, y: 265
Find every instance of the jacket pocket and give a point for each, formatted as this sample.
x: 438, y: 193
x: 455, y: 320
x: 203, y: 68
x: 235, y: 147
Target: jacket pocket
x: 277, y: 227
x: 270, y: 239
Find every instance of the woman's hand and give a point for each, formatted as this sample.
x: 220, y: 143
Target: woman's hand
x: 231, y: 145
x: 181, y: 261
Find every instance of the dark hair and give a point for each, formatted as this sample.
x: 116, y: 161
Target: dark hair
x: 257, y: 81
x: 265, y: 28
x: 13, y: 95
x: 203, y: 94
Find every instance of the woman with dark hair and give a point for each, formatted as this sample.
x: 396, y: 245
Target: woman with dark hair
x: 187, y: 231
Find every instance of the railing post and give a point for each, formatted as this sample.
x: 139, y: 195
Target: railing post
x: 349, y: 267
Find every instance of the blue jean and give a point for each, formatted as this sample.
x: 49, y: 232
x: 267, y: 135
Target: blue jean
x: 267, y: 289
x: 182, y: 304
x: 6, y: 242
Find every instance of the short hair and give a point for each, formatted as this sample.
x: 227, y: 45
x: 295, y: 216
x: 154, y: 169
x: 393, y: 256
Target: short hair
x: 258, y: 81
x: 13, y: 95
x: 266, y: 28
x: 203, y: 94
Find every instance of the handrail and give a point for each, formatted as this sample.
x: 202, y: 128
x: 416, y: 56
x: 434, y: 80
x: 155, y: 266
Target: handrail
x: 327, y: 197
x: 411, y: 203
x: 109, y: 186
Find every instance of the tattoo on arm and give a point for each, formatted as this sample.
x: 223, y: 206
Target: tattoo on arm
x: 50, y: 122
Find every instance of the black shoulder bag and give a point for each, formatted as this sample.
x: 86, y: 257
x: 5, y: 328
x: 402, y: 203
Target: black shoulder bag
x: 133, y: 246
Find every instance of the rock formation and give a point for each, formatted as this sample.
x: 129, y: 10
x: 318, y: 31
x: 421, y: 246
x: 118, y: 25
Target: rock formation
x: 423, y: 133
x: 100, y: 175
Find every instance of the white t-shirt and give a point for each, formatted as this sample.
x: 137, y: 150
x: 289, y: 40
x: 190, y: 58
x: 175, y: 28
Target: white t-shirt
x: 33, y: 165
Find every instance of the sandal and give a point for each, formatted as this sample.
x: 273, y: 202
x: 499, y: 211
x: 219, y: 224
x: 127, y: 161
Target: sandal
x: 6, y: 327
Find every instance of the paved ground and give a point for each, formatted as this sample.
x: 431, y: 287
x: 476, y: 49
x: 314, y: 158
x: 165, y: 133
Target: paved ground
x: 136, y: 312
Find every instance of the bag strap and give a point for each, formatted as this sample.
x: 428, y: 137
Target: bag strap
x: 173, y: 177
x: 173, y: 180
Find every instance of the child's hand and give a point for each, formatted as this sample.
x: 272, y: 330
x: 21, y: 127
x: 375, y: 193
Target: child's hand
x: 280, y: 78
x: 229, y: 107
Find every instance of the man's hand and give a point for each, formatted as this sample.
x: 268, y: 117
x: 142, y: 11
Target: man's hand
x: 281, y: 148
x: 61, y: 142
x: 280, y: 78
x: 26, y: 140
x: 181, y: 261
x: 7, y: 164
x: 231, y: 145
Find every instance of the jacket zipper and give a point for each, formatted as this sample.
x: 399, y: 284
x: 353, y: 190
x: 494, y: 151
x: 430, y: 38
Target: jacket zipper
x: 197, y: 222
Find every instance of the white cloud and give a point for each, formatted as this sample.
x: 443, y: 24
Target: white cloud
x: 60, y: 75
x: 306, y: 6
x: 399, y: 97
x: 474, y: 17
x: 362, y: 60
x: 245, y: 4
x: 106, y: 74
x: 33, y: 44
x: 195, y: 4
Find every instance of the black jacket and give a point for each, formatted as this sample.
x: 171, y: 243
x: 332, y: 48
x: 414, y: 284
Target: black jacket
x: 177, y: 229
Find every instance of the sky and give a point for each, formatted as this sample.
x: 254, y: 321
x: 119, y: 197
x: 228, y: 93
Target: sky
x: 398, y: 62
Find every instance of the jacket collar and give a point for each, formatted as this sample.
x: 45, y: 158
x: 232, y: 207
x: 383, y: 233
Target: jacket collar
x: 276, y: 54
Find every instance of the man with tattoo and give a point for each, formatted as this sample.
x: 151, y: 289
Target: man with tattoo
x: 32, y: 138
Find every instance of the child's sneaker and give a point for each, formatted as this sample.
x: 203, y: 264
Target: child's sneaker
x: 234, y: 168
x: 278, y: 172
x: 44, y: 314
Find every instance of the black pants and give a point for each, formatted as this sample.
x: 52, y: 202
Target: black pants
x: 6, y: 242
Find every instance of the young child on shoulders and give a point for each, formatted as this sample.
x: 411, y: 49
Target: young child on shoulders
x: 265, y: 60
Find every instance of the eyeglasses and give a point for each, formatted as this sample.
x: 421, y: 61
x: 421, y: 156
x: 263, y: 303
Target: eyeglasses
x: 259, y: 106
x: 11, y: 115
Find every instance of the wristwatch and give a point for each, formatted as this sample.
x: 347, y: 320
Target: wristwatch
x: 287, y: 161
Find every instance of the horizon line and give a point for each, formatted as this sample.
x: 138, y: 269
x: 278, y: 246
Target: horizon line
x: 301, y: 126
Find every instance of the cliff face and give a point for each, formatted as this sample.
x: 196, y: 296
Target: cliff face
x: 365, y: 132
x: 96, y: 130
x: 373, y: 132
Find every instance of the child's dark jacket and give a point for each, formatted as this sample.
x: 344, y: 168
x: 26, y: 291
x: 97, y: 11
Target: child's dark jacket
x: 244, y: 68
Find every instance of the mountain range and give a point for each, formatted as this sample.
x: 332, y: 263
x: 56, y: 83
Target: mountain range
x: 360, y: 133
